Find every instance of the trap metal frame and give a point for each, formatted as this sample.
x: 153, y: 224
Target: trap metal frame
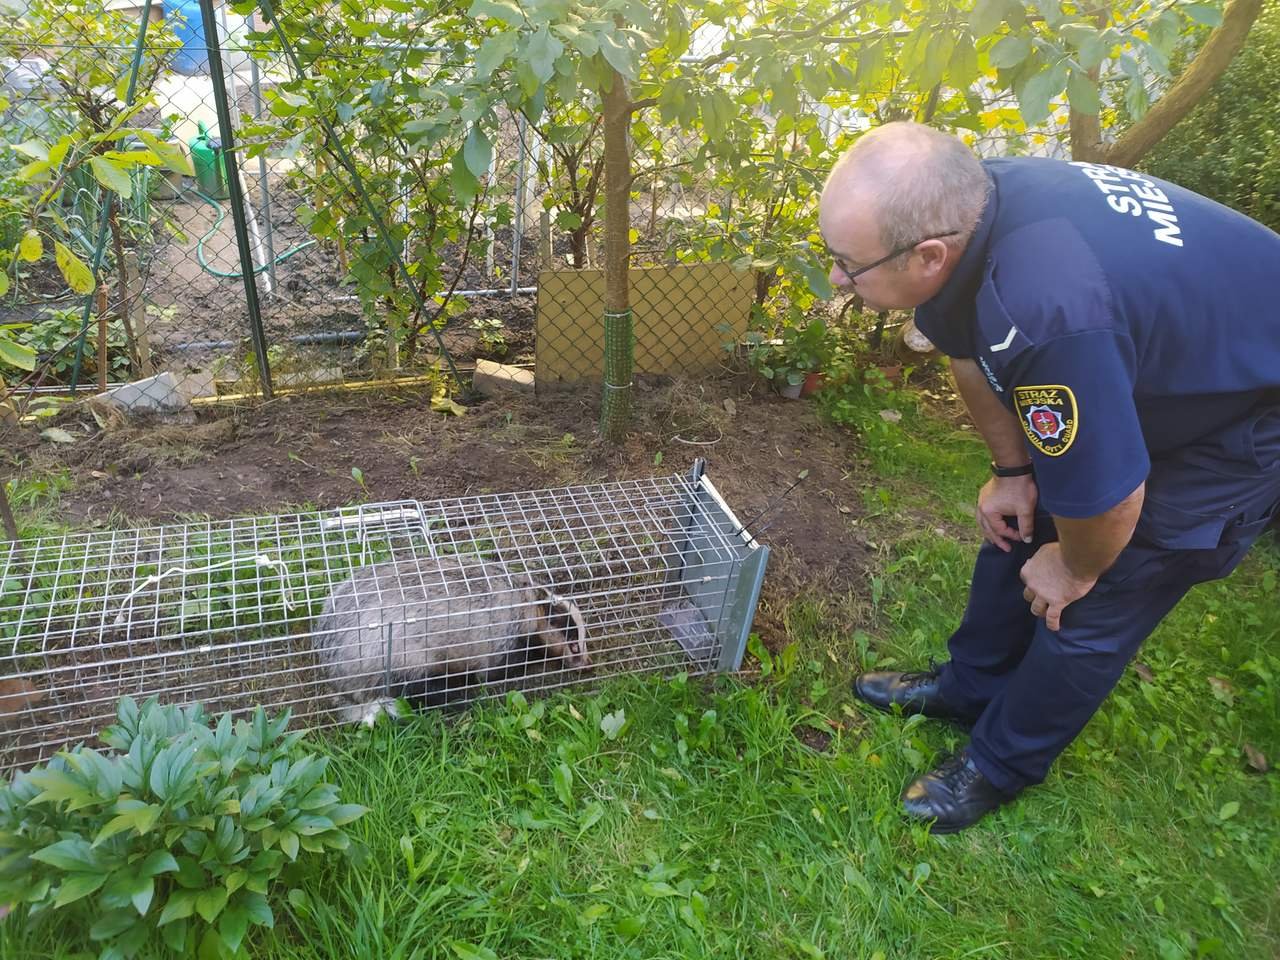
x: 224, y: 613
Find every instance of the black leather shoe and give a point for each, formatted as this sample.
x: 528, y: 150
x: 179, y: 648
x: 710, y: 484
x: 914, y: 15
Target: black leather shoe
x: 914, y: 692
x: 953, y: 796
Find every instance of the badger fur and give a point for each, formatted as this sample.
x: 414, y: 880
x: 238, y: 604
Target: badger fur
x: 448, y: 627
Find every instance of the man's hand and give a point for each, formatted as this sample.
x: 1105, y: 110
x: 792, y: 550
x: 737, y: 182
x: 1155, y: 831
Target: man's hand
x: 1004, y: 497
x: 1051, y: 587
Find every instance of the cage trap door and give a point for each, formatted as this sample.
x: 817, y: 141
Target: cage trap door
x: 718, y: 575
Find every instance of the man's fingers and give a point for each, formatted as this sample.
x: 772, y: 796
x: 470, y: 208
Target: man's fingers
x: 1029, y: 595
x: 1026, y: 525
x: 988, y: 534
x: 1004, y: 535
x: 1053, y: 618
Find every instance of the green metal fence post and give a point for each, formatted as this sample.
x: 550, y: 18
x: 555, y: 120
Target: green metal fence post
x: 235, y: 194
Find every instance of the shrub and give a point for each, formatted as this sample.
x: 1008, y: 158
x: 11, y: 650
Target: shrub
x: 179, y: 828
x: 1229, y: 147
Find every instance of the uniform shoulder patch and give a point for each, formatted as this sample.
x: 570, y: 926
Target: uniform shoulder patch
x: 1048, y: 416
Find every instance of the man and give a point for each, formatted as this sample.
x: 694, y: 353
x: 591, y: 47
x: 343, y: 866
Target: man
x: 1116, y: 340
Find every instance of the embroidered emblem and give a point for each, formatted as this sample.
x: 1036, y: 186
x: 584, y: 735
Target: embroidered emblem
x: 1048, y: 416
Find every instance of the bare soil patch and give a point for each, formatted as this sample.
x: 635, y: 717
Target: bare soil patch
x: 301, y: 452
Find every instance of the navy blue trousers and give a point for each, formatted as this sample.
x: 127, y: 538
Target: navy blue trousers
x: 1033, y: 689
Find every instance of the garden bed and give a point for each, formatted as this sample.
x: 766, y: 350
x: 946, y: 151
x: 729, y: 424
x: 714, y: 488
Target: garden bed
x: 329, y: 450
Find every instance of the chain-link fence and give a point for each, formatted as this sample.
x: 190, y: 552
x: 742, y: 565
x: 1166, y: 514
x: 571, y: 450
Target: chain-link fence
x: 369, y: 262
x: 365, y: 265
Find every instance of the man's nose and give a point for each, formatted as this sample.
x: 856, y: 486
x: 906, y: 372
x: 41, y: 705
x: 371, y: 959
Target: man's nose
x: 839, y: 278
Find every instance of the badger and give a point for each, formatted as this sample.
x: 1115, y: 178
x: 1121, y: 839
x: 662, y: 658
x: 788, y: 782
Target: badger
x: 401, y: 629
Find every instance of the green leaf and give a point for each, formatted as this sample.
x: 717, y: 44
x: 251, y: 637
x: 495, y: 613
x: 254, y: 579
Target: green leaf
x: 78, y: 276
x: 15, y: 354
x: 182, y: 904
x: 504, y: 10
x: 78, y: 885
x: 209, y: 903
x: 35, y: 149
x: 112, y: 924
x: 650, y: 889
x: 175, y: 936
x: 1229, y: 810
x: 469, y: 951
x: 345, y: 813
x: 144, y: 890
x: 494, y: 52
x: 4, y: 287
x: 158, y: 861
x: 544, y: 50
x: 289, y: 844
x: 1163, y: 33
x: 591, y: 815
x: 562, y: 780
x: 1036, y: 98
x: 111, y: 176
x: 258, y: 910
x: 582, y: 41
x: 232, y: 926
x: 815, y: 275
x: 986, y: 16
x: 477, y: 151
x: 618, y: 54
x: 464, y: 183
x: 629, y: 926
x: 71, y: 854
x: 1135, y: 97
x: 963, y: 69
x: 1010, y: 51
x: 1092, y: 51
x: 1203, y: 13
x: 170, y: 154
x: 30, y: 247
x: 1050, y: 10
x: 1082, y: 93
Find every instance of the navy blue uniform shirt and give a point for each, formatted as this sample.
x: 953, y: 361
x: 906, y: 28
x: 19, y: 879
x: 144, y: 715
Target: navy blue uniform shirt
x: 1133, y: 328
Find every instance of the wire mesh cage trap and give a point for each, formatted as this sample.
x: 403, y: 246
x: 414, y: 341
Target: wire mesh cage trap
x: 336, y: 613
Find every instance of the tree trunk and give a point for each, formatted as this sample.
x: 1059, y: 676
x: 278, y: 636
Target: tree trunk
x: 1201, y: 74
x: 6, y: 514
x: 619, y: 350
x: 104, y: 360
x: 136, y: 340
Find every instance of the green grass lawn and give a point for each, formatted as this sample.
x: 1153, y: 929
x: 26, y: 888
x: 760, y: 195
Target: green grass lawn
x: 706, y: 827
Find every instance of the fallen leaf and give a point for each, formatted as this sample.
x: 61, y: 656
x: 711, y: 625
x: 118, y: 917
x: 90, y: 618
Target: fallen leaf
x: 443, y: 404
x: 1144, y: 673
x: 57, y: 435
x: 99, y: 475
x: 1222, y: 690
x: 730, y: 407
x: 843, y: 509
x: 1256, y: 758
x: 891, y: 416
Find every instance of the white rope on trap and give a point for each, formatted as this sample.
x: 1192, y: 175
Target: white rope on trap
x: 260, y: 560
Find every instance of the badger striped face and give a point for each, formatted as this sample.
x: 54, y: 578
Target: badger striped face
x: 564, y: 631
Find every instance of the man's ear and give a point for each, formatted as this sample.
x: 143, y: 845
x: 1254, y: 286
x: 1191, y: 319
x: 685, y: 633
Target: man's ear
x: 934, y: 256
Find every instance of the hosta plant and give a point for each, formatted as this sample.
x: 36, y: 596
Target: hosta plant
x: 178, y: 833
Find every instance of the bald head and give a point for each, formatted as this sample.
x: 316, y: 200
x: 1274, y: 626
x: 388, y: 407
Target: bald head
x: 911, y: 181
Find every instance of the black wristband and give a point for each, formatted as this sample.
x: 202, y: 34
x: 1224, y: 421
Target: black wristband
x: 1025, y: 470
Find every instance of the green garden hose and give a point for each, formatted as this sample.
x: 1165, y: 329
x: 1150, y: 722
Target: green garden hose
x: 217, y: 224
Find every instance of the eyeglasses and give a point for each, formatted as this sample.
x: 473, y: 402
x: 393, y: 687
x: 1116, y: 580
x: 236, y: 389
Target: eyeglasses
x: 852, y: 273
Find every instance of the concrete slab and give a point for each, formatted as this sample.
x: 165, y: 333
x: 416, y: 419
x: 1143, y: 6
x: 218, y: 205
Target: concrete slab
x: 493, y: 378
